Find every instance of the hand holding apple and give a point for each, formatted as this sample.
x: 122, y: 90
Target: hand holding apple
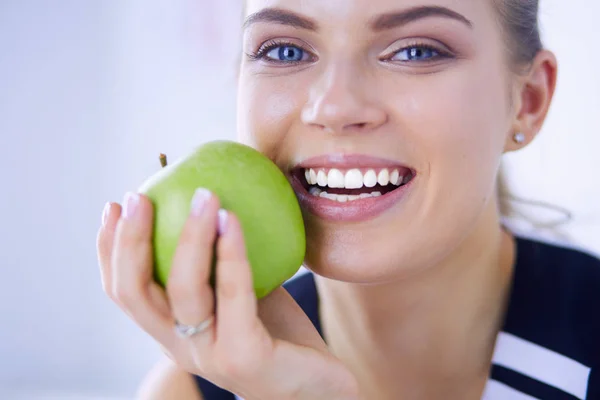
x: 265, y: 349
x: 248, y: 184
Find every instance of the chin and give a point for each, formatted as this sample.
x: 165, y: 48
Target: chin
x: 355, y: 256
x: 384, y: 251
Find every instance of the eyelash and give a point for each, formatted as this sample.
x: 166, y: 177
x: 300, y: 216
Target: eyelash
x: 440, y: 54
x: 265, y: 49
x: 261, y: 53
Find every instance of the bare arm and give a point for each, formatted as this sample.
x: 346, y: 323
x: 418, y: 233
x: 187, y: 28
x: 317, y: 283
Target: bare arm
x: 167, y: 381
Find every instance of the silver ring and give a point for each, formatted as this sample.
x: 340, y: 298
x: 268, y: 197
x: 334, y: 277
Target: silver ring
x: 186, y: 331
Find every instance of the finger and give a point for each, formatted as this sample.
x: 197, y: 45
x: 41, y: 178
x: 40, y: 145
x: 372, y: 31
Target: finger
x: 188, y: 288
x: 104, y: 243
x: 132, y: 276
x: 236, y: 301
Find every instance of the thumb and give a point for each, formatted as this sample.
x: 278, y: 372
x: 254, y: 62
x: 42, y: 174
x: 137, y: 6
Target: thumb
x: 285, y: 320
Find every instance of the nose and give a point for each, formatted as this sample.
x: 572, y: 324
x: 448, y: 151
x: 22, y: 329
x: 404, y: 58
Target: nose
x: 342, y: 101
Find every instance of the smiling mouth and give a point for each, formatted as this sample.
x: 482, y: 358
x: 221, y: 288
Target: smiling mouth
x: 352, y: 184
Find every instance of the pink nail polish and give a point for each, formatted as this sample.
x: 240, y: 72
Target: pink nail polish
x: 105, y: 213
x: 132, y: 200
x: 222, y: 222
x: 201, y: 196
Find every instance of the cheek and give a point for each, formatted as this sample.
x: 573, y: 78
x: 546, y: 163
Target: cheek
x: 266, y: 111
x: 458, y: 125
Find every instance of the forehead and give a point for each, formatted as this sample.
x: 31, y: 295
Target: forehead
x: 358, y: 13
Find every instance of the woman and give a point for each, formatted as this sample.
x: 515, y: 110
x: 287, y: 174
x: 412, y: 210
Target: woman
x: 390, y: 118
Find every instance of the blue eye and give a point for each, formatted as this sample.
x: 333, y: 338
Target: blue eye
x: 416, y: 53
x: 286, y: 53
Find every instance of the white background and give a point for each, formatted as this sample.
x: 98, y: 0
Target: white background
x: 91, y: 91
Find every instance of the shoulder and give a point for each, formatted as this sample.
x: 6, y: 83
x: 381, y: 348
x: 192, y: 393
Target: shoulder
x: 549, y: 346
x: 303, y: 290
x: 301, y: 286
x: 167, y: 381
x: 570, y: 274
x: 562, y: 257
x: 555, y: 298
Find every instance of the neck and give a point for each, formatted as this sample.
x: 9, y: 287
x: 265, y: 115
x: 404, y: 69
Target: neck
x: 427, y: 325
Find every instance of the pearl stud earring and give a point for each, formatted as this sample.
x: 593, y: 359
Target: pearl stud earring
x: 519, y: 137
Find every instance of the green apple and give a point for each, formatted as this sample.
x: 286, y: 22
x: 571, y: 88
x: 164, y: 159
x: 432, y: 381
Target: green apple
x: 248, y: 184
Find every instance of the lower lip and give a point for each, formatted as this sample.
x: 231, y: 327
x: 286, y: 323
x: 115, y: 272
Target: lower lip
x: 350, y: 211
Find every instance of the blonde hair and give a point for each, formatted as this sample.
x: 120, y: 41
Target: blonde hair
x: 519, y: 21
x: 513, y: 209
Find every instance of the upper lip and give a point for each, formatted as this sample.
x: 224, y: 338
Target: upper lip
x: 344, y: 161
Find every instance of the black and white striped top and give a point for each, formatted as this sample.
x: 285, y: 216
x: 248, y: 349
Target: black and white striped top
x: 549, y: 347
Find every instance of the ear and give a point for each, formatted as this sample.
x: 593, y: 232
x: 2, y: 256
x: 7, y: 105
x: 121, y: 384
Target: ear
x: 533, y: 96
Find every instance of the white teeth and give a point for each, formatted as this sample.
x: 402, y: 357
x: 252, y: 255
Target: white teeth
x: 327, y: 196
x: 353, y: 179
x: 322, y: 178
x: 370, y: 178
x: 384, y: 177
x: 343, y: 198
x: 315, y: 191
x: 335, y: 178
x: 313, y: 177
x: 394, y: 177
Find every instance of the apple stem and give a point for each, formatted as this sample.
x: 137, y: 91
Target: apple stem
x: 163, y: 160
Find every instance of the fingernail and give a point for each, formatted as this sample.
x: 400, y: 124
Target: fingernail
x: 199, y: 200
x: 132, y: 200
x: 222, y: 222
x: 105, y: 213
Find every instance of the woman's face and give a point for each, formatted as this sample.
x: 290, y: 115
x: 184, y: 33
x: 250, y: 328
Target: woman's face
x: 411, y: 98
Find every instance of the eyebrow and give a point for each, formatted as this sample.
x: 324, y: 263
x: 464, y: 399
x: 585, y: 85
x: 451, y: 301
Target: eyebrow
x: 380, y: 23
x: 396, y: 19
x: 283, y: 17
